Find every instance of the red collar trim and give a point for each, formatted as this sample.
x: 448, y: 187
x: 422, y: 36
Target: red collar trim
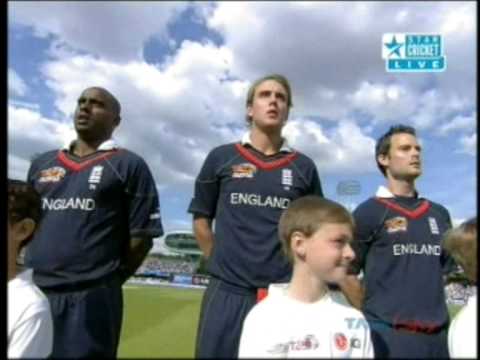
x: 74, y: 166
x: 412, y: 214
x: 264, y: 165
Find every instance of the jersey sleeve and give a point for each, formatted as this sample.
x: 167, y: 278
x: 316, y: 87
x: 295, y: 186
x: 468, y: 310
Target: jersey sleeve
x: 143, y: 202
x: 365, y: 227
x: 30, y: 173
x: 32, y: 337
x: 448, y: 263
x: 316, y: 186
x: 207, y: 187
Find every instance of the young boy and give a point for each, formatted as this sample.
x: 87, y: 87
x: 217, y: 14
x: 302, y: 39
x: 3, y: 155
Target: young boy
x: 461, y: 243
x: 30, y: 329
x: 304, y: 318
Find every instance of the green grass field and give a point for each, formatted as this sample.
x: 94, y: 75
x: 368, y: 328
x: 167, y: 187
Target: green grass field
x: 161, y: 322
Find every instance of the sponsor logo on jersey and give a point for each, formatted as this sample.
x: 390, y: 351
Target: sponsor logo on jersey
x: 287, y: 178
x: 355, y: 343
x: 433, y: 226
x: 70, y: 203
x: 396, y: 224
x: 52, y: 174
x: 95, y: 176
x: 259, y: 200
x: 245, y: 170
x: 309, y: 342
x: 416, y: 249
x: 341, y: 341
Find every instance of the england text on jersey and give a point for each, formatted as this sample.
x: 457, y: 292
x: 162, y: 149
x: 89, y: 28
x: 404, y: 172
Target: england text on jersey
x: 259, y: 200
x: 416, y: 249
x: 70, y: 203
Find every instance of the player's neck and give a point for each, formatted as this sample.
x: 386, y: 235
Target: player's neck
x: 305, y: 287
x: 268, y: 143
x: 12, y: 269
x: 402, y: 187
x: 82, y: 147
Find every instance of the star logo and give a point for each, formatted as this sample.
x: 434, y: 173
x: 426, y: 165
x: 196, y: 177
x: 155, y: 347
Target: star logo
x: 394, y: 47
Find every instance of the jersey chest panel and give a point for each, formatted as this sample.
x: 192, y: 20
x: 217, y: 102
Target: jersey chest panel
x: 243, y: 185
x: 402, y: 236
x: 86, y: 190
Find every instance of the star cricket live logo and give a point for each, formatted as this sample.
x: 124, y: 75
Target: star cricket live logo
x: 413, y: 52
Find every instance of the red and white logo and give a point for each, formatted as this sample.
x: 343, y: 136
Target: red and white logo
x: 341, y: 341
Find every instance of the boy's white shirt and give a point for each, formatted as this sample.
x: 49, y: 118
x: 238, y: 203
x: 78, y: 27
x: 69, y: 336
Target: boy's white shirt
x: 30, y: 325
x: 462, y: 334
x: 282, y: 327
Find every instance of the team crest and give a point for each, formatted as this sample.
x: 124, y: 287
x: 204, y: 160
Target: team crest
x: 287, y: 178
x: 95, y: 176
x: 245, y: 170
x: 53, y: 174
x: 433, y: 226
x: 396, y: 224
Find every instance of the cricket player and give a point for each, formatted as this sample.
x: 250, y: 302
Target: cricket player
x: 304, y: 319
x: 244, y: 187
x: 30, y: 326
x: 461, y: 243
x: 397, y: 245
x: 101, y: 211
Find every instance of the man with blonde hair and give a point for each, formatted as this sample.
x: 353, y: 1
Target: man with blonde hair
x: 244, y: 187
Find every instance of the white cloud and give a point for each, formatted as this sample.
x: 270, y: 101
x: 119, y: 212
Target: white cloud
x: 17, y: 167
x: 344, y: 149
x: 459, y: 123
x: 113, y: 30
x: 29, y: 132
x: 386, y: 103
x: 459, y: 20
x: 16, y: 85
x: 468, y: 144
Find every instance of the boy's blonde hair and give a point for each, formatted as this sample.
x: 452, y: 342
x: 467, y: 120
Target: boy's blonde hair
x: 461, y: 243
x: 306, y: 215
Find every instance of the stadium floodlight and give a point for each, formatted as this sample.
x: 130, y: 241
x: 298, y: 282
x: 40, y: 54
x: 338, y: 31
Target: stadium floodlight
x: 347, y: 189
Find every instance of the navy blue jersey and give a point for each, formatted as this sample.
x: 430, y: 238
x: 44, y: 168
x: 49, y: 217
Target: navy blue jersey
x: 246, y: 192
x: 91, y: 208
x: 397, y: 244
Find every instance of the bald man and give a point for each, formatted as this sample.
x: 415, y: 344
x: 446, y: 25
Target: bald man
x: 100, y: 212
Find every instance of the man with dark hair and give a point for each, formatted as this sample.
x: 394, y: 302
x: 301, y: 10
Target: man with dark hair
x: 101, y: 211
x: 245, y: 186
x: 30, y: 328
x: 397, y: 245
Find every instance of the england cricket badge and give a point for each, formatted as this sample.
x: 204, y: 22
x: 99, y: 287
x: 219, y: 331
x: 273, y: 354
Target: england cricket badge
x: 95, y: 177
x: 287, y: 179
x: 433, y: 226
x: 396, y: 224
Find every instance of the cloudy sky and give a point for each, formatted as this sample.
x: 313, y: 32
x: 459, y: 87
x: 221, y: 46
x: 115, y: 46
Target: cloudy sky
x: 181, y: 71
